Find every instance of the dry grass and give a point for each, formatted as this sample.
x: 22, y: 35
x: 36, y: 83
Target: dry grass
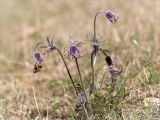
x: 134, y: 41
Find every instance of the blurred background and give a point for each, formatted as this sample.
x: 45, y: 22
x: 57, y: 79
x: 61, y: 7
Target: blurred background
x: 24, y: 23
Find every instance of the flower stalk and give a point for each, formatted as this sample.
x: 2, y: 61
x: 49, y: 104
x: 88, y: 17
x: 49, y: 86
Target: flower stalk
x: 112, y: 17
x: 86, y: 112
x: 68, y: 71
x: 81, y: 100
x: 81, y: 81
x: 94, y: 53
x: 95, y: 18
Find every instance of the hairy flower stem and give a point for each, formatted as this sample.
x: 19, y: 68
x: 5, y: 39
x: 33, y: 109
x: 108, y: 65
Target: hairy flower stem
x: 95, y: 18
x: 94, y: 52
x: 81, y: 81
x: 68, y: 71
x: 93, y: 60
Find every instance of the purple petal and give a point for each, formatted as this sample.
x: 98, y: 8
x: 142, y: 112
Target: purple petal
x: 112, y: 17
x: 74, y: 51
x: 38, y: 58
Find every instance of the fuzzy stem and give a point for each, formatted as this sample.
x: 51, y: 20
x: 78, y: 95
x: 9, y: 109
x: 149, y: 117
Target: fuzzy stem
x: 95, y: 50
x: 82, y: 85
x: 95, y: 18
x: 68, y: 70
x: 93, y: 60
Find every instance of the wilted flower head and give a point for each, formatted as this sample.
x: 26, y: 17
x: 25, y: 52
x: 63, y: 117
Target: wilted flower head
x: 73, y: 50
x: 114, y: 73
x: 50, y: 47
x: 112, y: 17
x: 109, y: 60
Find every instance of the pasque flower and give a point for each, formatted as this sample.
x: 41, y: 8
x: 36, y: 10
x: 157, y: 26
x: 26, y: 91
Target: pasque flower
x: 112, y: 17
x: 73, y: 50
x: 38, y: 62
x: 38, y: 58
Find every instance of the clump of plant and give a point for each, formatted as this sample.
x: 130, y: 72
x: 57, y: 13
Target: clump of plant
x: 98, y: 99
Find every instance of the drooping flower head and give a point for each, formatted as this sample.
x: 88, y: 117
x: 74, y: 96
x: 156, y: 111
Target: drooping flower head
x: 38, y: 62
x: 73, y: 50
x: 114, y: 73
x: 112, y: 17
x: 108, y: 60
x: 38, y: 58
